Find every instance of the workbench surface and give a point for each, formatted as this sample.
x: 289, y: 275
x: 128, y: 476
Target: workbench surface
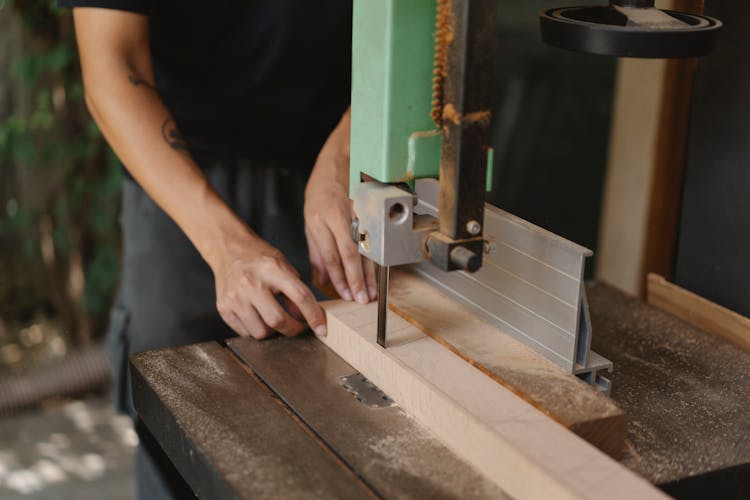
x: 230, y: 435
x: 686, y: 394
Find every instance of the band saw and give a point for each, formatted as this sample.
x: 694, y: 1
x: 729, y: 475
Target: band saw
x: 421, y: 158
x: 421, y: 163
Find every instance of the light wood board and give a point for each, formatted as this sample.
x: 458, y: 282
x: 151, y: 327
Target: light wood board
x: 561, y: 396
x: 645, y: 166
x: 390, y: 451
x: 526, y: 453
x: 699, y: 312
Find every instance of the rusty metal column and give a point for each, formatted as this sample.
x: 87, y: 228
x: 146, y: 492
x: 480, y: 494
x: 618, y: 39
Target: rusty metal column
x: 467, y: 100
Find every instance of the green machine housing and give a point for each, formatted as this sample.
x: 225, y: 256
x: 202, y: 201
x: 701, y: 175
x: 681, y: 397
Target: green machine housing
x: 411, y: 121
x: 394, y: 138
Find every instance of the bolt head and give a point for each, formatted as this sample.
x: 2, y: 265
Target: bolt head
x: 473, y: 227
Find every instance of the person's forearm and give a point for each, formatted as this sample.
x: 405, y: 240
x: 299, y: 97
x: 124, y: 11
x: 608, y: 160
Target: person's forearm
x: 344, y: 130
x: 341, y: 138
x: 332, y: 165
x: 249, y: 273
x: 328, y: 218
x: 142, y: 132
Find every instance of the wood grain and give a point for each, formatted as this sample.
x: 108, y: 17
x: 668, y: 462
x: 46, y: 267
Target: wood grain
x: 630, y: 172
x: 559, y: 395
x: 389, y: 450
x: 699, y: 312
x: 210, y: 413
x: 527, y: 454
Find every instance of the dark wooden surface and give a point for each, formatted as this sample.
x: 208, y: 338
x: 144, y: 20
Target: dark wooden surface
x: 231, y: 436
x: 388, y: 449
x: 226, y: 433
x: 686, y: 394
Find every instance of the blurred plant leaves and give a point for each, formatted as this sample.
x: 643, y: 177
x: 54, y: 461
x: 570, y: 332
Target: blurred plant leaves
x: 32, y: 66
x: 56, y: 145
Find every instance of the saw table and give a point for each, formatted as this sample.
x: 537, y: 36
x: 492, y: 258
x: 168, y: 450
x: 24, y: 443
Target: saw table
x: 273, y: 418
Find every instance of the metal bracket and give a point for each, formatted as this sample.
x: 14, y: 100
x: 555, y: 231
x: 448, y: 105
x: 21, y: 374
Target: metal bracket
x: 530, y: 286
x: 388, y: 231
x: 365, y: 391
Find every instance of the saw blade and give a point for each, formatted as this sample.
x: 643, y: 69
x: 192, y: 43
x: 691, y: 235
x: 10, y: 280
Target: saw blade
x: 439, y: 72
x: 383, y: 275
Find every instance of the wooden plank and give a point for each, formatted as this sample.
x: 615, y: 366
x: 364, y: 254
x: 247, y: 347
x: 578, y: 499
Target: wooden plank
x: 670, y: 159
x: 527, y: 454
x: 630, y: 172
x: 645, y: 168
x: 560, y: 395
x: 392, y: 453
x: 670, y: 162
x: 699, y: 312
x: 210, y: 414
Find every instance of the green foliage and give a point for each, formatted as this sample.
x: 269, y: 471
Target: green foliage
x: 32, y: 67
x: 57, y: 145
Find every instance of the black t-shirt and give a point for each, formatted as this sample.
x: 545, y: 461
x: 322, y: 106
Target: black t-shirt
x: 249, y: 78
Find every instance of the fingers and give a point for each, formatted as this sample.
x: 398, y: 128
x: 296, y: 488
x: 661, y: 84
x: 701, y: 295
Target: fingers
x: 303, y: 298
x: 244, y: 320
x: 348, y: 273
x: 253, y: 322
x: 352, y: 262
x: 247, y: 297
x: 233, y: 321
x: 276, y: 317
x: 370, y: 278
x: 330, y: 256
x: 292, y: 308
x: 316, y: 259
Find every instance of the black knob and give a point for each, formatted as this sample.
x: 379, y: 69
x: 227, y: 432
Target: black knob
x: 465, y: 259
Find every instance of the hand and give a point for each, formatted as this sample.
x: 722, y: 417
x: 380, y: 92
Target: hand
x: 328, y: 216
x: 249, y: 277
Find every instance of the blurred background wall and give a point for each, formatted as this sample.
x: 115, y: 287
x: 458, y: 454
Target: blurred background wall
x: 59, y: 189
x: 551, y: 119
x: 59, y: 251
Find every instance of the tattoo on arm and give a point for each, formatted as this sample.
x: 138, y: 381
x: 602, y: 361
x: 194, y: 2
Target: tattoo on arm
x: 169, y: 131
x: 173, y: 137
x: 139, y: 81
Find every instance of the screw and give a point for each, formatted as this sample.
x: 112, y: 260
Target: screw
x: 473, y: 227
x: 489, y: 247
